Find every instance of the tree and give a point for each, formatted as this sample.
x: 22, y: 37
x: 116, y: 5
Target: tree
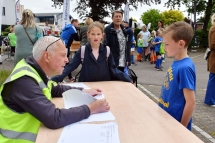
x: 171, y: 16
x: 98, y: 9
x: 151, y: 16
x: 205, y: 6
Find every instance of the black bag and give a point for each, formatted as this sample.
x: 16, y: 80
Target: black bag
x: 133, y: 76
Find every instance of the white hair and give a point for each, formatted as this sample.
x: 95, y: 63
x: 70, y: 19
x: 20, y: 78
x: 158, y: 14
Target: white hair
x: 41, y: 45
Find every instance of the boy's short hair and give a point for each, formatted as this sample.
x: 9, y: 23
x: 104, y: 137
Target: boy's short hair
x: 74, y: 20
x: 180, y: 31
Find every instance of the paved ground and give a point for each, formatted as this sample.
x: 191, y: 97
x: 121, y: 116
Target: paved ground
x: 150, y: 82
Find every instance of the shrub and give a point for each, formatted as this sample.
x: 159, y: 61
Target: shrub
x: 136, y: 32
x: 202, y: 39
x: 4, y: 74
x: 5, y: 33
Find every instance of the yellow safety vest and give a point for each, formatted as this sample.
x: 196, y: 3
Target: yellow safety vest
x: 21, y: 127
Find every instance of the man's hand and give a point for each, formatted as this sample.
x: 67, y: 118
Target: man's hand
x: 99, y: 106
x: 92, y: 91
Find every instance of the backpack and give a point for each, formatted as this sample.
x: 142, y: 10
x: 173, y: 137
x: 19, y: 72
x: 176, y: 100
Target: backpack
x: 83, y: 52
x: 82, y: 57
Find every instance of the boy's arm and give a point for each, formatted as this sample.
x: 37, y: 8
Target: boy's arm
x: 189, y: 96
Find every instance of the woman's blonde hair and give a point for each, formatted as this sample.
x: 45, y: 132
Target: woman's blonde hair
x: 213, y: 19
x: 28, y: 19
x: 88, y: 21
x: 95, y: 24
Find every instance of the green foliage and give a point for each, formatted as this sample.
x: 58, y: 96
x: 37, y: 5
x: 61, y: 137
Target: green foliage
x: 5, y: 33
x: 7, y: 29
x: 136, y: 32
x: 133, y: 19
x: 172, y: 16
x: 4, y: 74
x: 99, y: 9
x: 202, y: 6
x: 151, y: 16
x: 202, y: 39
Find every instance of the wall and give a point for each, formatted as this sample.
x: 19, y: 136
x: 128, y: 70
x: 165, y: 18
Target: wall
x: 10, y: 17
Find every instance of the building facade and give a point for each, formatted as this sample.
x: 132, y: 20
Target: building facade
x: 8, y: 12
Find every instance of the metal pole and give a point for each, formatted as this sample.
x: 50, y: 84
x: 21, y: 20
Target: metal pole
x: 195, y: 39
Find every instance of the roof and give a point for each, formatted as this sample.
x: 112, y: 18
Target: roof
x: 47, y: 14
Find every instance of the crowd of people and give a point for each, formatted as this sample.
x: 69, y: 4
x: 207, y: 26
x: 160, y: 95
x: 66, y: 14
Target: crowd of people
x: 42, y: 62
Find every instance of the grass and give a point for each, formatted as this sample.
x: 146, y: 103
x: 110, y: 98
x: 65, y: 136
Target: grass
x: 3, y: 75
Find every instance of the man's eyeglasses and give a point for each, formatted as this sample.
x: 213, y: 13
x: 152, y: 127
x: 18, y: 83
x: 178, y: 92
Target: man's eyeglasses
x: 53, y: 43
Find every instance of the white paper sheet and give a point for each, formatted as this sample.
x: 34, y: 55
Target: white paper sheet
x: 90, y: 133
x: 78, y: 84
x: 74, y: 98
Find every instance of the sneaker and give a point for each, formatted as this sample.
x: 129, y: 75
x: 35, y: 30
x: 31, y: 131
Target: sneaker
x: 134, y: 63
x: 210, y: 105
x: 160, y: 69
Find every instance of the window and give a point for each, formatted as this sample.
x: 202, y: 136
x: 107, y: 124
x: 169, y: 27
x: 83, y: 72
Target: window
x: 3, y: 11
x: 50, y: 20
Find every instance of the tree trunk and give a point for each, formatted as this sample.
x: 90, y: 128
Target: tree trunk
x: 207, y: 14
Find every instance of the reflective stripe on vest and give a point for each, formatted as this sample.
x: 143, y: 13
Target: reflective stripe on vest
x: 18, y: 135
x: 26, y: 129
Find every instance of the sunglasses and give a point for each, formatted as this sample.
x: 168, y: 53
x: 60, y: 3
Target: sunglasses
x: 54, y: 42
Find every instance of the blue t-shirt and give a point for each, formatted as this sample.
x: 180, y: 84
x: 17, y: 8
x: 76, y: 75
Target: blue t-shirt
x: 181, y: 74
x: 157, y: 46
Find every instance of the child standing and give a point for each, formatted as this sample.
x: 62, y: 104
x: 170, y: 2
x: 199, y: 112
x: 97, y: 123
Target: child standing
x: 152, y: 47
x: 133, y: 49
x: 140, y: 47
x: 96, y: 65
x: 157, y: 42
x: 12, y: 38
x: 178, y: 89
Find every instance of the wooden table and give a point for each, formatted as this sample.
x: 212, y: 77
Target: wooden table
x: 140, y: 120
x: 75, y: 46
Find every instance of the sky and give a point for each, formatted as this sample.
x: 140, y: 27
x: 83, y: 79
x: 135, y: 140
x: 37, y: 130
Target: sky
x: 45, y: 6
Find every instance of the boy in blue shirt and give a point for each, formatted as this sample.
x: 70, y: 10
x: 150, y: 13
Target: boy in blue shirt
x: 178, y: 89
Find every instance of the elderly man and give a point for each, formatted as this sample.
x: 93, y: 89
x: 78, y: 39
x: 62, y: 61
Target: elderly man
x: 116, y: 39
x: 26, y: 94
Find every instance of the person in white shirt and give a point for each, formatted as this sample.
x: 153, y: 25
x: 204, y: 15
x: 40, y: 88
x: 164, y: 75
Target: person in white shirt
x: 46, y: 29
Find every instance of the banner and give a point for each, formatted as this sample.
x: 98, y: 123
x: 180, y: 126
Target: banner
x: 1, y: 5
x: 126, y: 12
x: 17, y: 11
x: 66, y: 13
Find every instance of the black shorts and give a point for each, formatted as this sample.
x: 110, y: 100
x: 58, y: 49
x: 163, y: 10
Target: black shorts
x: 158, y: 54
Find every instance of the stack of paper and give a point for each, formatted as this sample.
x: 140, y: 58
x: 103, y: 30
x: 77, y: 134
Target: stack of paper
x: 90, y: 133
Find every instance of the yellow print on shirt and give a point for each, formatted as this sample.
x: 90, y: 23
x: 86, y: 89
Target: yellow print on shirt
x: 163, y: 103
x: 170, y: 74
x: 168, y: 78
